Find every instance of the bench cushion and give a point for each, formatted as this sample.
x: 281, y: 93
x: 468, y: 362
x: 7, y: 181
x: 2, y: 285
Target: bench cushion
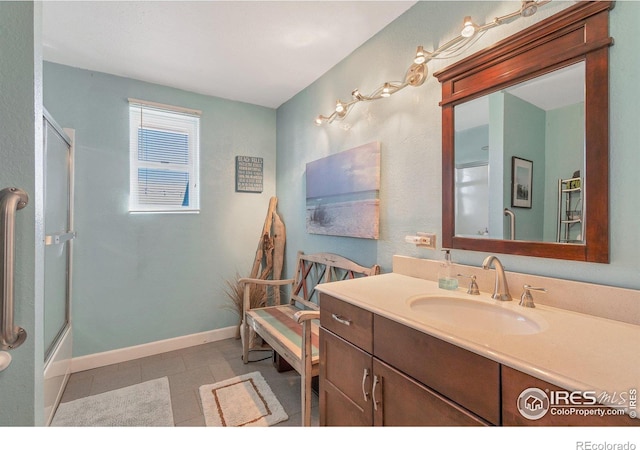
x: 278, y: 322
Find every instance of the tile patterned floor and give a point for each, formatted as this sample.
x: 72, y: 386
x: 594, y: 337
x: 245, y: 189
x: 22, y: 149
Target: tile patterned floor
x: 187, y: 370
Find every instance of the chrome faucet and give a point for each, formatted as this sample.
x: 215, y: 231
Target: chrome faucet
x: 501, y: 289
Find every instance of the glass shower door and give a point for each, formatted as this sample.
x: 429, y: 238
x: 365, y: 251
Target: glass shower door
x: 472, y: 200
x: 59, y: 235
x: 58, y: 231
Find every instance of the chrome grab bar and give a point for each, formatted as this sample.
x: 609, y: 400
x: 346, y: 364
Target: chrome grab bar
x: 11, y: 200
x: 512, y: 223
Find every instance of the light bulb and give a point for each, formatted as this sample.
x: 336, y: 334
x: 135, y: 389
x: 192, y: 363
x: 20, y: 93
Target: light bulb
x: 318, y: 120
x: 469, y: 28
x: 339, y: 107
x: 386, y: 90
x: 529, y: 8
x: 420, y: 58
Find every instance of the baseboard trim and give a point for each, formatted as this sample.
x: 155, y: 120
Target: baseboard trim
x: 95, y: 360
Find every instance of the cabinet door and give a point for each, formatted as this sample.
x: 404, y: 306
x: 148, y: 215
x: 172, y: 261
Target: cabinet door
x: 401, y: 401
x: 345, y: 383
x: 466, y: 378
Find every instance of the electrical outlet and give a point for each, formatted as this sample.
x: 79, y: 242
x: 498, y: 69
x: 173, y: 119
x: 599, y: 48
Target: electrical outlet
x: 427, y: 240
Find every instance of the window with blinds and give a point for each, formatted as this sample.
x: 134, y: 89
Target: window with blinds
x: 164, y: 149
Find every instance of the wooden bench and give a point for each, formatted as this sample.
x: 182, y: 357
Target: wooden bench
x: 291, y: 329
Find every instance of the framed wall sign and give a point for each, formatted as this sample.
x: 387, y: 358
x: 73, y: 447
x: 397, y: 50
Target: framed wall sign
x: 249, y: 174
x: 521, y: 179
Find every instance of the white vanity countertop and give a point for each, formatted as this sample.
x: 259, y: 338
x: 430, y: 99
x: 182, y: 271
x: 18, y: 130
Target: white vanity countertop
x: 573, y: 351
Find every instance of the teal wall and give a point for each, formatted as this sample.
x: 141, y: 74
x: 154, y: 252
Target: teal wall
x: 524, y: 137
x: 140, y: 278
x: 498, y: 183
x: 408, y: 126
x: 21, y: 384
x: 565, y: 155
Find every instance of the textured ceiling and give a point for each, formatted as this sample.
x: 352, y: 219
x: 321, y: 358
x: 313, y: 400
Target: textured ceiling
x: 259, y: 52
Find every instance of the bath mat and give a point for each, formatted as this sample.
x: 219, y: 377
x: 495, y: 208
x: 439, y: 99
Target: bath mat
x: 145, y: 404
x: 246, y: 400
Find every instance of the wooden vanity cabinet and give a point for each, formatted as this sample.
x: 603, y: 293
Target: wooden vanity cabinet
x: 351, y: 381
x: 358, y: 388
x: 376, y: 371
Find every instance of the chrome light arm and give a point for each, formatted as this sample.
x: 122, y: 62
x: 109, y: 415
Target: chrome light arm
x: 418, y: 71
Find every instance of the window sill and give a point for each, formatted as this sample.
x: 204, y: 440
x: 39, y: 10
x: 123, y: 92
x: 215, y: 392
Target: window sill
x: 142, y: 211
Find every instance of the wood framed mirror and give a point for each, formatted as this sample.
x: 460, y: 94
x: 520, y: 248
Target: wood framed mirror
x: 577, y: 37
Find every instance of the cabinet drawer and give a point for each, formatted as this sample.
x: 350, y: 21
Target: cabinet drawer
x: 514, y: 383
x: 468, y: 379
x: 347, y: 321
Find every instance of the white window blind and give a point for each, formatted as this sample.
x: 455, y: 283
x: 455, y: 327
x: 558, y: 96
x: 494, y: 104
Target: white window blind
x: 164, y: 152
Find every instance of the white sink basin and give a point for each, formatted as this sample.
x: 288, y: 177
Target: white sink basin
x: 478, y: 314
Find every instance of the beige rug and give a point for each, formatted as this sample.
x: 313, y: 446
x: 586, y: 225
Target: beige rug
x: 145, y: 404
x: 243, y: 401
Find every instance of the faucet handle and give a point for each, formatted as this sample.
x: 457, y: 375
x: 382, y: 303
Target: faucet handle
x: 473, y: 286
x: 526, y: 299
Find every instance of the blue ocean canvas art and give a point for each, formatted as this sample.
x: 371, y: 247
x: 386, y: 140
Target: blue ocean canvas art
x: 342, y: 193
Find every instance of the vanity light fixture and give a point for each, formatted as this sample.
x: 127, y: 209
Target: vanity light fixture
x: 417, y: 72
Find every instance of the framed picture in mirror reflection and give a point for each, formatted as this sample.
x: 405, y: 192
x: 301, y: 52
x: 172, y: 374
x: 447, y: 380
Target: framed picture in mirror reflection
x: 521, y: 180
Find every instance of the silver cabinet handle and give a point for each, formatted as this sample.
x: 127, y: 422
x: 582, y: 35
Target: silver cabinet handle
x: 373, y: 391
x: 365, y: 374
x: 341, y: 319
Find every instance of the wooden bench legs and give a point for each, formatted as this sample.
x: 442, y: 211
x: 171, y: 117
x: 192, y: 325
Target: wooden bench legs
x: 306, y: 374
x: 245, y: 341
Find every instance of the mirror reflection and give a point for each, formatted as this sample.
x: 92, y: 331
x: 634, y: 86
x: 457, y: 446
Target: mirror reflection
x: 519, y: 161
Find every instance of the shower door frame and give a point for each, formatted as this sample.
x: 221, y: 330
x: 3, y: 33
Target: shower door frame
x: 58, y: 354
